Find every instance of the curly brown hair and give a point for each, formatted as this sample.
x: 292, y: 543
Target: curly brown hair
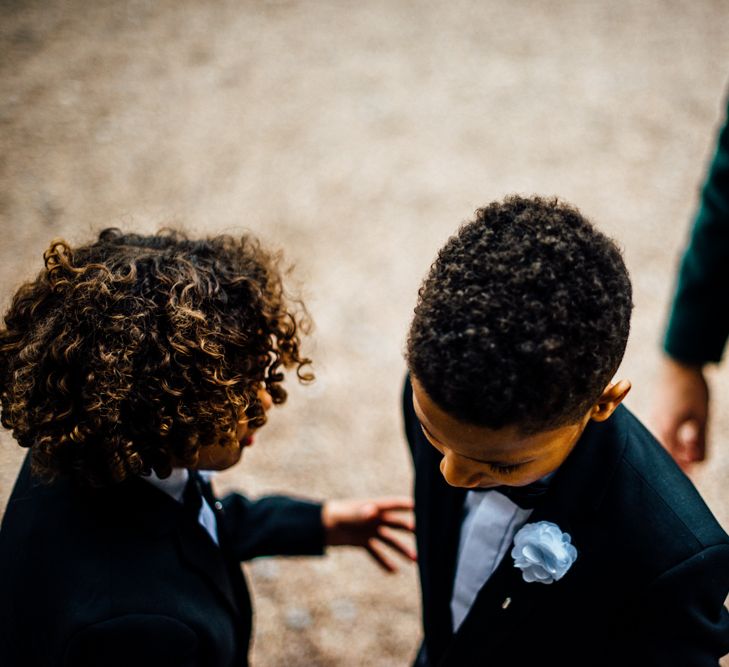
x: 523, y: 318
x: 130, y: 354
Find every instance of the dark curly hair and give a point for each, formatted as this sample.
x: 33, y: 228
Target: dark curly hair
x: 523, y: 319
x: 133, y: 352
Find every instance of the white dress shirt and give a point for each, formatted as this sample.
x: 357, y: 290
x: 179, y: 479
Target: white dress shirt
x: 174, y: 486
x: 489, y: 524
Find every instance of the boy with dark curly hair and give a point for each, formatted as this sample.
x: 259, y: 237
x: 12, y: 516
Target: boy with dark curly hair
x: 127, y: 366
x: 552, y: 528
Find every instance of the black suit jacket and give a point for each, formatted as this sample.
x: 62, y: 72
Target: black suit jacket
x: 117, y: 576
x: 648, y: 585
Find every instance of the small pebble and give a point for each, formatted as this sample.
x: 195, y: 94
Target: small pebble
x: 297, y: 618
x: 343, y: 610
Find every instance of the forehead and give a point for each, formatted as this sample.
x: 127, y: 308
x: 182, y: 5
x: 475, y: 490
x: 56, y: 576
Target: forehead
x: 474, y: 441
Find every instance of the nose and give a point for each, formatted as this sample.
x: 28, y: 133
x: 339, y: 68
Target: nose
x: 457, y: 474
x: 265, y: 398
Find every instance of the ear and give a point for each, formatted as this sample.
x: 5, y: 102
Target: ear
x: 610, y: 399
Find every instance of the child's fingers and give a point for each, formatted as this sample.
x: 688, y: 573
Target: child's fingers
x: 383, y: 561
x: 394, y: 503
x: 396, y: 544
x: 406, y: 523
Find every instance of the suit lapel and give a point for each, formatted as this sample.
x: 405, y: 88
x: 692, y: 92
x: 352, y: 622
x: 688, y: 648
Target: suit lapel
x: 143, y: 508
x: 438, y: 524
x: 204, y: 556
x: 505, y: 602
x: 438, y: 514
x: 236, y: 579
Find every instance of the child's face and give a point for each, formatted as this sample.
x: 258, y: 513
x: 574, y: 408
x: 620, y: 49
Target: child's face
x: 222, y: 456
x: 480, y: 457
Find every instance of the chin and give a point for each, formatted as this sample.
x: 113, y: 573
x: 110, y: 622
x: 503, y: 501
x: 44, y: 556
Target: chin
x: 233, y: 460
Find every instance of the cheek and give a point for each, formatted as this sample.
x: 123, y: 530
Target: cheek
x: 225, y: 453
x: 522, y: 478
x: 235, y: 454
x: 535, y: 470
x: 230, y: 455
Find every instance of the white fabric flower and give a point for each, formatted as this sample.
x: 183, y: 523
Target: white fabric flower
x: 543, y: 552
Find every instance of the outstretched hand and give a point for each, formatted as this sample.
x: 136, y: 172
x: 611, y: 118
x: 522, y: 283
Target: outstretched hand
x: 372, y: 524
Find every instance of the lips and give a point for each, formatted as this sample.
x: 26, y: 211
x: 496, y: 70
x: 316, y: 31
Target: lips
x: 247, y: 441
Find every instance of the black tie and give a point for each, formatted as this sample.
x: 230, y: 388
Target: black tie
x: 192, y: 497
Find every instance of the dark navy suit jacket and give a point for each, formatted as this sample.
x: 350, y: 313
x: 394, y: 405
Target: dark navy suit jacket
x: 119, y: 577
x: 647, y: 588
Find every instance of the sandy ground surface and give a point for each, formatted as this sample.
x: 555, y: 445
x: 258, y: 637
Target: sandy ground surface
x: 357, y: 136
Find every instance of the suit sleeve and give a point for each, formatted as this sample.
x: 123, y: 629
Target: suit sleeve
x: 699, y: 322
x: 142, y: 640
x: 273, y: 526
x: 681, y: 620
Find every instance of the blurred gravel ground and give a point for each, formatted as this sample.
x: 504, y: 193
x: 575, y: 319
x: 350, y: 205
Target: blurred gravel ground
x: 357, y: 136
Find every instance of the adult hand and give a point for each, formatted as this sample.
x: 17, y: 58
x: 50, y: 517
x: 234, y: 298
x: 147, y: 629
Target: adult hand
x: 680, y: 412
x: 371, y: 524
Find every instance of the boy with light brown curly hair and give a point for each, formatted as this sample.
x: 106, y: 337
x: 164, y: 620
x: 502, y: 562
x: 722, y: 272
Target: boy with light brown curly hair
x: 127, y: 366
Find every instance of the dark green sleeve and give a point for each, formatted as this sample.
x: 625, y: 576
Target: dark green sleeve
x: 699, y: 323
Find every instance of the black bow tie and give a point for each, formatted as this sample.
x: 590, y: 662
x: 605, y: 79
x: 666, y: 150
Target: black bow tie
x: 192, y: 496
x: 527, y: 497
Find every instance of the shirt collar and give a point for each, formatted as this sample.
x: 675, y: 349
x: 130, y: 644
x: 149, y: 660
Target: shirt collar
x: 173, y: 486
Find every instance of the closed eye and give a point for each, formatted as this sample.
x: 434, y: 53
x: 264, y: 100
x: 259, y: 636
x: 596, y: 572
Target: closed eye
x: 504, y: 469
x: 498, y: 468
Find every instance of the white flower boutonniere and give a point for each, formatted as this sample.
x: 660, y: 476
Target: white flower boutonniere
x: 543, y: 552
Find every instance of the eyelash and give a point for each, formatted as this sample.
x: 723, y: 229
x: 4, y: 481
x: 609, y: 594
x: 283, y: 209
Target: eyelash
x: 504, y: 470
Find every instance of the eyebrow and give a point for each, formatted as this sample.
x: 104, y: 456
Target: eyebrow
x: 470, y: 458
